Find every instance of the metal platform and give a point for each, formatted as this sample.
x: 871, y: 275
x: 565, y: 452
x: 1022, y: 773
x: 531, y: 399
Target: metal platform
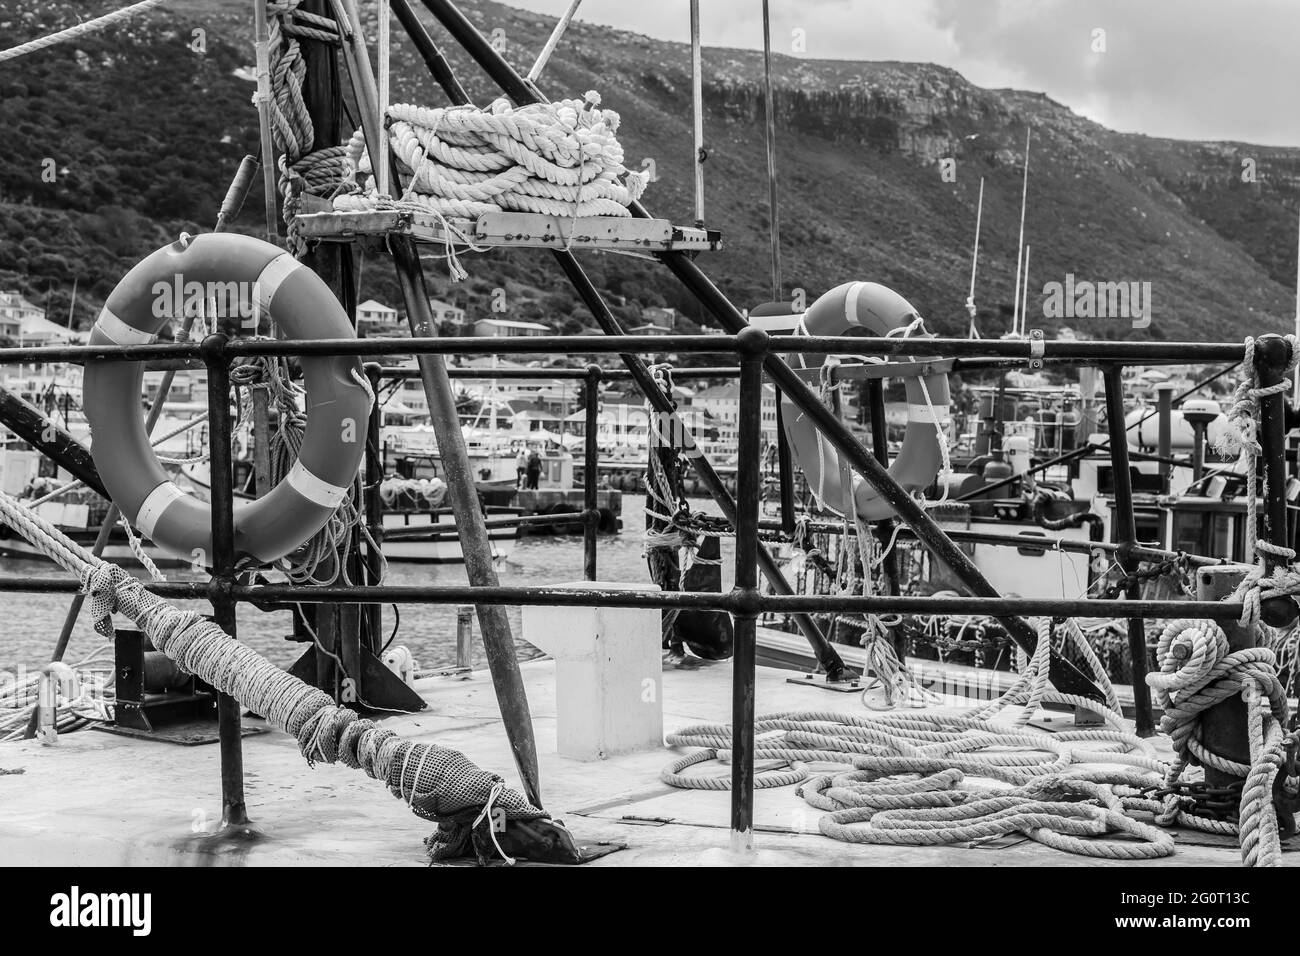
x: 514, y: 229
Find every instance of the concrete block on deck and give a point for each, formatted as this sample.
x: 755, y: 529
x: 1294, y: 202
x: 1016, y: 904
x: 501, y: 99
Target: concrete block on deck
x: 608, y: 674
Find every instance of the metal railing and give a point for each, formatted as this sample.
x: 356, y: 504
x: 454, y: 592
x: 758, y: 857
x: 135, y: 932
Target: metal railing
x: 759, y: 355
x: 745, y: 601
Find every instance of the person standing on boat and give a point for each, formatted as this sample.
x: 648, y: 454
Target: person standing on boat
x: 534, y: 469
x: 521, y: 467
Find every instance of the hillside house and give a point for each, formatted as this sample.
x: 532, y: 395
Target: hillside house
x: 509, y: 327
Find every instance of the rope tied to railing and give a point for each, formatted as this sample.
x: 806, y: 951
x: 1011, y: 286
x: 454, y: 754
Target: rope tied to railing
x: 1241, y: 438
x: 437, y: 783
x: 302, y: 171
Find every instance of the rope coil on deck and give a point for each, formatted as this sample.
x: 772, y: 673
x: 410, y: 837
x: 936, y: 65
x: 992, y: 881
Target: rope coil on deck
x: 1054, y: 796
x: 1044, y: 771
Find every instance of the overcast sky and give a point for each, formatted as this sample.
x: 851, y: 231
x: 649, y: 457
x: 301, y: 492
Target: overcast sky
x: 1197, y: 69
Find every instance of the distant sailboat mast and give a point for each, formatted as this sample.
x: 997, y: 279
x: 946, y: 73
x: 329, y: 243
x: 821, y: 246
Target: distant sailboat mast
x: 974, y: 265
x: 1296, y: 390
x: 1024, y: 301
x: 1020, y: 246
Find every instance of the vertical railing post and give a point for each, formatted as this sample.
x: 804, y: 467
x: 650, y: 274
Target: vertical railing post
x: 1165, y: 431
x: 222, y: 561
x: 884, y: 530
x: 753, y: 346
x: 1125, y: 534
x: 784, y: 468
x: 374, y: 505
x: 1272, y: 355
x: 591, y: 465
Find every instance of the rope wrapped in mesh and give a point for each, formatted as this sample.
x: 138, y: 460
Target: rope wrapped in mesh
x: 437, y: 783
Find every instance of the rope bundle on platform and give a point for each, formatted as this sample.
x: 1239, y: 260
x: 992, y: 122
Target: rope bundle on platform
x: 560, y: 159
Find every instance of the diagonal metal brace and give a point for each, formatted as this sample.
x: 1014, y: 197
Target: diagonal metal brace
x: 34, y: 427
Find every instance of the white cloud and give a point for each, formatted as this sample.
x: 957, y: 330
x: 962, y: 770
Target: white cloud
x: 1201, y: 69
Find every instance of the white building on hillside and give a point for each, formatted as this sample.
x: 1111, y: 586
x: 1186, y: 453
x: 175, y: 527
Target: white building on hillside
x: 509, y: 327
x: 722, y: 402
x: 444, y: 313
x: 376, y: 320
x: 14, y: 311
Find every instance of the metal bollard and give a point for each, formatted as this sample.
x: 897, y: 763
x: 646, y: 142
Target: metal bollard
x: 55, y: 677
x: 464, y: 640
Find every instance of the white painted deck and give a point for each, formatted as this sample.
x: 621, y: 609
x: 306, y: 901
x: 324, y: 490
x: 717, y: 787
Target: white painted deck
x: 102, y: 799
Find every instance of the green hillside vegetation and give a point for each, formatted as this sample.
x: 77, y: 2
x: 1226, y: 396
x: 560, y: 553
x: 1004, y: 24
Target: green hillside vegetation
x: 144, y: 135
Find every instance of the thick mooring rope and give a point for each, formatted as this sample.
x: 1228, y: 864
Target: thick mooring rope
x: 437, y: 783
x: 560, y: 159
x: 1044, y: 771
x: 302, y: 171
x: 1062, y: 787
x: 1197, y: 672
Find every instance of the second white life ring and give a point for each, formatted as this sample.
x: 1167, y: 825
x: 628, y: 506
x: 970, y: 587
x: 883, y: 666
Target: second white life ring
x: 879, y: 310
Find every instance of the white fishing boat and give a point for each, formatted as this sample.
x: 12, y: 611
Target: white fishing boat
x: 431, y: 538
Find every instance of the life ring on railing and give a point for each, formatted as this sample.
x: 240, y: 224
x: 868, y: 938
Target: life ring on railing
x: 873, y: 308
x: 337, y: 404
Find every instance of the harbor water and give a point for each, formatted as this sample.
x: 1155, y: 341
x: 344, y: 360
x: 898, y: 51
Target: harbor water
x: 31, y: 622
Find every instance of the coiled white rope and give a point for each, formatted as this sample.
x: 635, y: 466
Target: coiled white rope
x: 560, y: 159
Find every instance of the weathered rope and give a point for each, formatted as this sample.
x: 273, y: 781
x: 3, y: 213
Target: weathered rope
x: 437, y: 783
x: 1044, y: 770
x: 323, y: 559
x: 560, y: 159
x: 302, y: 171
x: 1241, y: 438
x: 1055, y: 810
x: 1199, y: 671
x: 73, y: 32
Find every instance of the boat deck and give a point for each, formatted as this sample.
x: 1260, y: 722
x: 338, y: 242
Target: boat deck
x: 102, y: 799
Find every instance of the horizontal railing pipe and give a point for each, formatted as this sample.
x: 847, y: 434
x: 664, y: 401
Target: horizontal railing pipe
x: 587, y: 597
x: 1141, y: 353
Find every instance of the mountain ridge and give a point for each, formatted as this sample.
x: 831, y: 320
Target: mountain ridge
x: 159, y: 131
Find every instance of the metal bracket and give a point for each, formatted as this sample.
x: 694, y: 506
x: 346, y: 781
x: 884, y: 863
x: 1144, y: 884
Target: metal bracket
x: 851, y: 686
x: 1037, y: 346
